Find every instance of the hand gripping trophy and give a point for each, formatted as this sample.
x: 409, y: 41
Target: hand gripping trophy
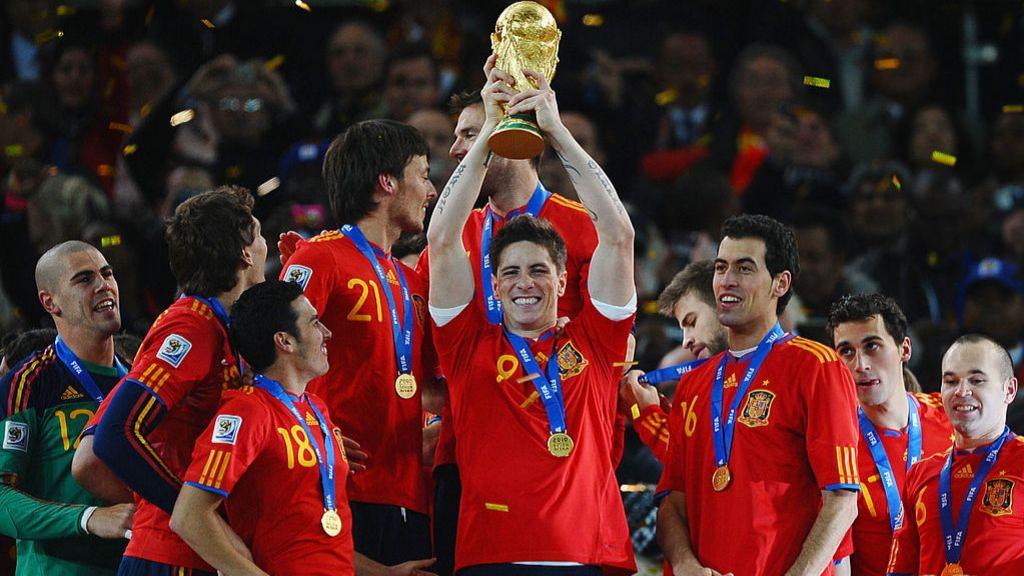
x: 525, y: 37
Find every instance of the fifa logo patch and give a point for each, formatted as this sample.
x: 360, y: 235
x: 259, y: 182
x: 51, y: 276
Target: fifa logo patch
x: 570, y: 361
x: 174, y: 349
x: 16, y: 436
x: 998, y: 500
x: 298, y: 274
x: 225, y: 429
x: 757, y: 409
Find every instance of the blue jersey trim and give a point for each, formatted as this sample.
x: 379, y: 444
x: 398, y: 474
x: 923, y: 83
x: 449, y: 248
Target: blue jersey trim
x: 850, y: 487
x: 217, y: 491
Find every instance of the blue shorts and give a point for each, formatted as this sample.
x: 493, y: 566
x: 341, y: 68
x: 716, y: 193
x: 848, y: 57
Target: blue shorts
x: 138, y: 567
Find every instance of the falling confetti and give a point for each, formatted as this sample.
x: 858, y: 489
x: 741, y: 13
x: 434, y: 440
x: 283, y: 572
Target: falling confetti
x: 274, y: 63
x: 108, y: 241
x: 594, y: 20
x: 1013, y: 108
x: 130, y: 149
x: 182, y: 117
x: 303, y: 5
x: 943, y: 158
x: 817, y: 82
x: 268, y: 186
x: 887, y: 63
x: 208, y: 24
x: 896, y: 182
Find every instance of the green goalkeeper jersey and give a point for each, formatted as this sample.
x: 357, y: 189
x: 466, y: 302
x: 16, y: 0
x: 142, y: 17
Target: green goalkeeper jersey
x: 44, y: 410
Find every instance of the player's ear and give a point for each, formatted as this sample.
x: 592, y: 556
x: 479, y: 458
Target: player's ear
x: 387, y: 183
x: 283, y: 342
x: 781, y: 283
x: 48, y: 303
x: 562, y: 282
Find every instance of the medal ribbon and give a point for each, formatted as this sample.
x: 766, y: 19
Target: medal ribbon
x: 549, y: 386
x: 533, y: 207
x: 954, y: 539
x: 326, y: 465
x: 670, y: 373
x: 882, y: 464
x: 68, y: 357
x: 723, y: 433
x: 401, y: 331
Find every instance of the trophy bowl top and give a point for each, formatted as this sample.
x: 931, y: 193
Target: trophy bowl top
x: 527, y: 20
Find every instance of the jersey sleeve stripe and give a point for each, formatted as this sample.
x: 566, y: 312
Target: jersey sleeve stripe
x: 25, y: 377
x: 217, y: 491
x: 223, y: 470
x: 839, y: 464
x: 827, y: 352
x: 796, y: 342
x: 563, y: 201
x: 206, y: 468
x: 217, y: 456
x: 135, y: 434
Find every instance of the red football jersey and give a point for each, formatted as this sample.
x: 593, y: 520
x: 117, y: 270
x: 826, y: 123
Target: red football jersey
x: 651, y: 426
x: 186, y: 362
x: 258, y: 457
x: 359, y: 387
x: 572, y: 221
x: 872, y: 534
x: 795, y: 435
x: 993, y: 546
x: 519, y: 502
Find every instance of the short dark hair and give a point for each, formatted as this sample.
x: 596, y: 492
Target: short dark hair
x: 462, y: 100
x: 1005, y: 361
x: 260, y: 312
x: 526, y: 228
x: 858, y: 307
x: 358, y: 156
x: 21, y: 346
x: 696, y: 278
x: 781, y: 253
x: 205, y: 239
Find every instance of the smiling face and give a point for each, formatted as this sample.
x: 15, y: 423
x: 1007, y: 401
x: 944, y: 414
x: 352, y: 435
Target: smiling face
x: 311, y: 340
x: 413, y: 194
x: 528, y: 284
x: 85, y: 295
x: 745, y: 292
x: 977, y: 386
x: 875, y: 360
x: 703, y: 335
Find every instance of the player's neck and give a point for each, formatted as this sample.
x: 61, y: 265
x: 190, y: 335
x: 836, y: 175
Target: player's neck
x: 516, y: 193
x: 750, y: 335
x: 892, y: 414
x: 288, y: 376
x: 88, y: 346
x: 971, y: 443
x: 379, y: 230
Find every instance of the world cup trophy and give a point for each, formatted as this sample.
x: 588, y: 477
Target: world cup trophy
x: 525, y: 36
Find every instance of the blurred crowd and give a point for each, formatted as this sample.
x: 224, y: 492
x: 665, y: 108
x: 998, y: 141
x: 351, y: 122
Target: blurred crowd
x: 889, y: 135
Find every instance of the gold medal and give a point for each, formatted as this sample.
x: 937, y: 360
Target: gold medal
x: 953, y: 569
x: 721, y: 478
x: 560, y: 444
x: 331, y: 522
x: 405, y: 386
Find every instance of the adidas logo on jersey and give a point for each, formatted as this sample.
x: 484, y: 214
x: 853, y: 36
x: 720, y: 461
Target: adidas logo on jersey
x: 71, y: 394
x: 311, y: 420
x: 730, y: 382
x: 392, y: 279
x: 965, y: 472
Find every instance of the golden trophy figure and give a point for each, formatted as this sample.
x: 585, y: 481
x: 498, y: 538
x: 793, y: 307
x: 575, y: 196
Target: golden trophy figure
x: 525, y: 37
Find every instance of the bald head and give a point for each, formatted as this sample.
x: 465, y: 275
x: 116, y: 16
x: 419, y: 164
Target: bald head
x: 54, y: 262
x: 996, y: 354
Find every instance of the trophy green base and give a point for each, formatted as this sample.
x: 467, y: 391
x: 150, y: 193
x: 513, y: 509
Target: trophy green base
x: 517, y: 137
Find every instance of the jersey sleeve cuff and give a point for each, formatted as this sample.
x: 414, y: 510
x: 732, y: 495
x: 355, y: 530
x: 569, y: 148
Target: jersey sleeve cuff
x: 148, y: 389
x: 204, y: 487
x: 850, y: 487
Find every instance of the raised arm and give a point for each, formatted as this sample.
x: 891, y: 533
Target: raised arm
x: 451, y: 275
x: 611, y: 268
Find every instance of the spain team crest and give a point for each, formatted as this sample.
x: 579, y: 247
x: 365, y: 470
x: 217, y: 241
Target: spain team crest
x: 998, y: 500
x: 570, y: 361
x: 757, y: 409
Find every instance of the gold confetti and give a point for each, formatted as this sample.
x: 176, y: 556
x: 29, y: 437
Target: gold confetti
x: 533, y: 398
x: 207, y: 23
x: 528, y: 378
x: 183, y: 116
x: 623, y: 364
x: 896, y: 182
x: 233, y: 172
x: 303, y: 5
x: 145, y: 110
x: 1013, y: 108
x: 66, y: 10
x: 496, y: 507
x: 817, y: 82
x: 632, y: 488
x: 887, y: 63
x: 108, y: 241
x: 634, y: 410
x: 274, y: 63
x: 666, y: 97
x: 943, y: 158
x: 594, y: 20
x: 14, y: 150
x: 130, y: 149
x: 47, y: 35
x: 105, y: 170
x: 268, y: 186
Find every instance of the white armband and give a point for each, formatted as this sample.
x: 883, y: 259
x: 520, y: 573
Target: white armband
x: 443, y: 316
x: 616, y: 313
